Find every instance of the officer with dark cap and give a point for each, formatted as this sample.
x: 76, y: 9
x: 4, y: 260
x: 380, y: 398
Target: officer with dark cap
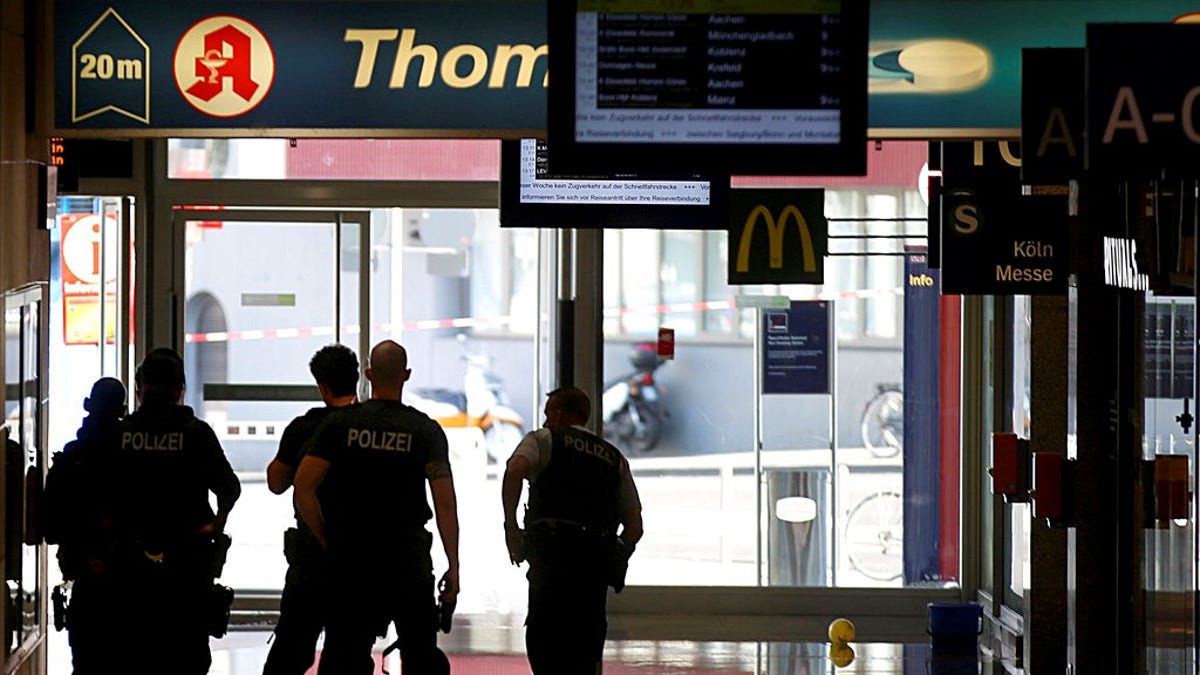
x: 169, y: 463
x: 371, y: 464
x: 583, y: 520
x: 78, y: 517
x: 303, y: 604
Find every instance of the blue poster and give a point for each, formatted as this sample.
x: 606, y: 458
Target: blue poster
x: 796, y: 349
x: 922, y: 440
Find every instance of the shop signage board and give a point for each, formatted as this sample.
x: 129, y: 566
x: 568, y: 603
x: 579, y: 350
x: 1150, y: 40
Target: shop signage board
x: 478, y: 69
x: 315, y: 67
x: 777, y: 237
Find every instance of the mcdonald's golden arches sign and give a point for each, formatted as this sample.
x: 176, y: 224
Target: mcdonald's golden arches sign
x: 777, y: 237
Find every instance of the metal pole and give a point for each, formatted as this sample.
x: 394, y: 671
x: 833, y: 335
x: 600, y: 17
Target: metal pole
x: 337, y: 278
x: 833, y: 444
x: 105, y: 208
x: 364, y: 284
x: 124, y: 251
x: 1195, y: 431
x: 758, y: 476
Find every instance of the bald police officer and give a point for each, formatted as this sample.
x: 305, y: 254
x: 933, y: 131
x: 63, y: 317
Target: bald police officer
x: 371, y: 463
x: 169, y: 462
x: 583, y: 519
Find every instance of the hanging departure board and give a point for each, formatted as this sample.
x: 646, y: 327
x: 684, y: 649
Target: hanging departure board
x: 743, y: 86
x: 530, y: 196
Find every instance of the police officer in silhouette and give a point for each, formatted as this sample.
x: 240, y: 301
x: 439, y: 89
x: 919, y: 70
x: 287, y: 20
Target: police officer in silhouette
x: 169, y: 463
x: 361, y: 489
x: 583, y: 519
x: 302, y: 607
x: 77, y: 515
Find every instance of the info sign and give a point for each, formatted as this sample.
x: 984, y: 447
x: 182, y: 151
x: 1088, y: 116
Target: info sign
x: 797, y: 348
x: 88, y: 273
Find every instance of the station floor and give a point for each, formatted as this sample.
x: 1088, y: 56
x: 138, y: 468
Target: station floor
x: 498, y: 649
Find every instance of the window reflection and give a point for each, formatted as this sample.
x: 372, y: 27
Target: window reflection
x: 24, y: 466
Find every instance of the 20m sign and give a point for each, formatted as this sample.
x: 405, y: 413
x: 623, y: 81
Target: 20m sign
x: 111, y: 71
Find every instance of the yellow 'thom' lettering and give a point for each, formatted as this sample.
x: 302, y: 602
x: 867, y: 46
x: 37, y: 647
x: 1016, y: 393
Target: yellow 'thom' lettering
x: 462, y: 66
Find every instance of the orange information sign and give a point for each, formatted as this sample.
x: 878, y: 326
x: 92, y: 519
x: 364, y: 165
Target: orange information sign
x: 82, y: 261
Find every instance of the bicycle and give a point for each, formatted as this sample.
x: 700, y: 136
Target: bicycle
x: 882, y: 422
x: 874, y: 536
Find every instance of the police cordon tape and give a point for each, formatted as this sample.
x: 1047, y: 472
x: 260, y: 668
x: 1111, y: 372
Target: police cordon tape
x: 476, y: 322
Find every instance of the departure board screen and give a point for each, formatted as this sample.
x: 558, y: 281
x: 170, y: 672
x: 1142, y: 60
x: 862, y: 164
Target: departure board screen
x: 530, y: 196
x: 751, y: 86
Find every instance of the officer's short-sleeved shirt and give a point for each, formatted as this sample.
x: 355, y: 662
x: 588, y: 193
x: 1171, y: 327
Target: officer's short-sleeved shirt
x: 299, y: 433
x: 380, y: 453
x: 169, y: 461
x: 298, y: 437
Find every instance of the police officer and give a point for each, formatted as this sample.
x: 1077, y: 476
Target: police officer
x: 169, y: 462
x: 583, y: 519
x: 78, y: 517
x: 371, y: 463
x: 302, y: 606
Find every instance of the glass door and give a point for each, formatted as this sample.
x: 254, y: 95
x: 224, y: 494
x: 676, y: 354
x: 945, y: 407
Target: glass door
x: 264, y: 289
x: 23, y: 433
x: 1170, y: 545
x: 472, y: 303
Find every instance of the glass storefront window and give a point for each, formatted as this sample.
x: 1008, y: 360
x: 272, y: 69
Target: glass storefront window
x: 464, y: 295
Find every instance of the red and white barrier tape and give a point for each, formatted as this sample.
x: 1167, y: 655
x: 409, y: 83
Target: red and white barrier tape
x: 472, y: 322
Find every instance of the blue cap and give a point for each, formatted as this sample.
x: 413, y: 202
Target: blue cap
x: 108, y: 395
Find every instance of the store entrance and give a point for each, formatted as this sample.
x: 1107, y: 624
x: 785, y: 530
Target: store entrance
x: 265, y: 288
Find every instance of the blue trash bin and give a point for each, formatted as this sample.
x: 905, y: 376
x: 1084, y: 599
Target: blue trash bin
x: 954, y: 627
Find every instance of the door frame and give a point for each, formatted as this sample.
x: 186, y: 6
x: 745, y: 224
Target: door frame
x: 337, y: 218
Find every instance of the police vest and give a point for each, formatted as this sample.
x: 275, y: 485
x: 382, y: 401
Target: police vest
x: 164, y: 474
x: 580, y: 482
x: 378, y: 451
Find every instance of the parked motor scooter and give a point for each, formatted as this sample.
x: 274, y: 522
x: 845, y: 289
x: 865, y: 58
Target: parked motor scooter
x: 632, y: 409
x: 481, y: 403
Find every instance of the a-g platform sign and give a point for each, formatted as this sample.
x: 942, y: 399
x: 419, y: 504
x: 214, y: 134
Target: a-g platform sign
x: 777, y: 237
